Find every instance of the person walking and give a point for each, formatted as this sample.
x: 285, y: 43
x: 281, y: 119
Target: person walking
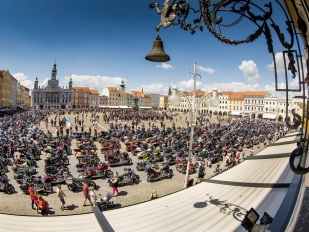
x: 61, y: 195
x: 93, y: 197
x: 114, y: 182
x: 201, y: 173
x: 43, y: 206
x: 34, y: 198
x: 86, y: 193
x: 32, y: 193
x: 243, y: 153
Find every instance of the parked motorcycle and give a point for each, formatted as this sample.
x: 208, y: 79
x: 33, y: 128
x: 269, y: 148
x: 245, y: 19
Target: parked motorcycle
x: 154, y: 174
x: 129, y: 177
x: 3, y: 175
x: 57, y: 178
x: 52, y: 170
x: 30, y: 170
x: 38, y: 183
x: 6, y: 186
x: 21, y: 176
x: 99, y: 171
x: 75, y: 183
x: 57, y: 159
x: 141, y: 166
x: 121, y: 159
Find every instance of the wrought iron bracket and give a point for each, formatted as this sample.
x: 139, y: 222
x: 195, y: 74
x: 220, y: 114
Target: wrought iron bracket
x: 298, y: 152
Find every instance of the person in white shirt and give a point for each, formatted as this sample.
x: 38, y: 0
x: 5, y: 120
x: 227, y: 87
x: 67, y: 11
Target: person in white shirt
x: 61, y: 195
x: 93, y: 197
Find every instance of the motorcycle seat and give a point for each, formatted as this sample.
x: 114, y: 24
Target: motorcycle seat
x: 158, y: 171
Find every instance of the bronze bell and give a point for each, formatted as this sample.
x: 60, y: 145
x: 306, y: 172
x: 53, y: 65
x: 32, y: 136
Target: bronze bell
x: 157, y: 53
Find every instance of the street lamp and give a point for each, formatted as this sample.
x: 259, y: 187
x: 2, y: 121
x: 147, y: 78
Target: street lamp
x: 176, y: 100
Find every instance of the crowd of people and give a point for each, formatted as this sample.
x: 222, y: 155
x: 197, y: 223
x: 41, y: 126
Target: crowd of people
x: 229, y: 134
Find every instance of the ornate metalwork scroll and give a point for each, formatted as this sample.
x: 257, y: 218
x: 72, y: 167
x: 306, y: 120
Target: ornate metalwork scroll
x: 222, y: 14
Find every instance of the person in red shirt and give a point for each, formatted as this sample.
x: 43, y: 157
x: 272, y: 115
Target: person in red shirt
x: 30, y: 190
x: 86, y: 193
x: 43, y: 205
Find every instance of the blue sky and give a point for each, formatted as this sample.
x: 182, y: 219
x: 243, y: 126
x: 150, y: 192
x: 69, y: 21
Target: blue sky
x: 99, y: 43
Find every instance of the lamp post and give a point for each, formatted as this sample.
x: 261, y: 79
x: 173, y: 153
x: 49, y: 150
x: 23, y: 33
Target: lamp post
x: 175, y: 100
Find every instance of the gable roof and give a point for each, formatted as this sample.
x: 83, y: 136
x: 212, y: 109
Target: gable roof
x: 112, y: 89
x: 94, y: 91
x: 85, y: 89
x: 137, y: 93
x: 122, y: 93
x: 255, y: 93
x: 237, y: 96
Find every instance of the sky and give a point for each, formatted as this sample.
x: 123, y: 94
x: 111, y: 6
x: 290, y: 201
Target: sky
x: 99, y: 43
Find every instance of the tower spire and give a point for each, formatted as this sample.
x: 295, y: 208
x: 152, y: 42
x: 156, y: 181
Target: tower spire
x: 70, y: 83
x: 122, y: 85
x: 36, y: 83
x: 54, y: 71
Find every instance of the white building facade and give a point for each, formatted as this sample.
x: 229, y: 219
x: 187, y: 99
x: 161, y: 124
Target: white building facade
x: 52, y: 96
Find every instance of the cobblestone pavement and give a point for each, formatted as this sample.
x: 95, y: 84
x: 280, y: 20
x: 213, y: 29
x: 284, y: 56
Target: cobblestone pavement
x: 20, y: 204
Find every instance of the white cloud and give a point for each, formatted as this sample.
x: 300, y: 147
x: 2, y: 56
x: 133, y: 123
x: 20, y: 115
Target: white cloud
x: 23, y: 80
x: 208, y: 70
x: 188, y: 85
x: 44, y: 83
x: 249, y: 70
x: 281, y: 94
x: 279, y: 63
x: 154, y: 88
x: 165, y: 66
x: 232, y: 86
x: 93, y: 82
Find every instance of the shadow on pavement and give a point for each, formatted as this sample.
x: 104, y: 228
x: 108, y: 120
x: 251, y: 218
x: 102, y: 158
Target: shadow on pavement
x: 50, y: 211
x: 71, y: 207
x: 117, y: 205
x: 122, y: 193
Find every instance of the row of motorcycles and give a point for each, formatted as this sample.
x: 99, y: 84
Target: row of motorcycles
x: 56, y: 162
x: 5, y: 185
x: 91, y: 167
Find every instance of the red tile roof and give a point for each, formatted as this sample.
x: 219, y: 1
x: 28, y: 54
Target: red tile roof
x: 86, y: 89
x: 94, y: 92
x: 112, y: 89
x: 255, y: 93
x: 122, y: 93
x: 237, y: 96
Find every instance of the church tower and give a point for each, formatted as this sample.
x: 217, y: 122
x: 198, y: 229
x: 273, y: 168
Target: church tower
x: 54, y: 72
x: 122, y: 86
x: 36, y: 83
x: 70, y: 83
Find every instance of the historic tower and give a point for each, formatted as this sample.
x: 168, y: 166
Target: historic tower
x: 122, y: 86
x: 36, y: 83
x: 54, y: 72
